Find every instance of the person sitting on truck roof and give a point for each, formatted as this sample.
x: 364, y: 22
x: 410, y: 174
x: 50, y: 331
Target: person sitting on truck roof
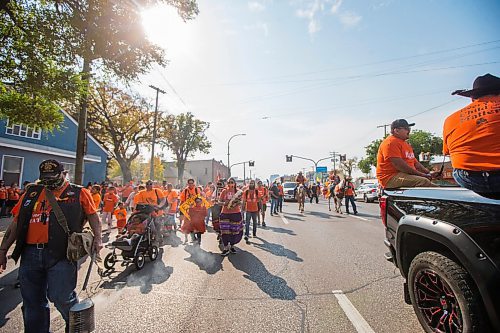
x: 471, y: 136
x: 396, y: 162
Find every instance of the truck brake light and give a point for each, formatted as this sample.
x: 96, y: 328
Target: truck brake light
x: 383, y: 210
x: 374, y: 190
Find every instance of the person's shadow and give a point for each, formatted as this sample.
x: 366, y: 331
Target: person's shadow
x: 277, y: 249
x: 281, y: 230
x: 275, y: 286
x: 10, y: 296
x: 207, y: 261
x: 172, y: 239
x: 154, y: 272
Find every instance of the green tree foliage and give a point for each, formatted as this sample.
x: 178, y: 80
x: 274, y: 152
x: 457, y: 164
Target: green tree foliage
x: 184, y: 135
x: 421, y: 141
x: 157, y: 170
x: 365, y: 166
x: 120, y: 122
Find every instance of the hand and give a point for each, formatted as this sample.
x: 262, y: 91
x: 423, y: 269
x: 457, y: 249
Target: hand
x: 3, y: 260
x: 435, y: 174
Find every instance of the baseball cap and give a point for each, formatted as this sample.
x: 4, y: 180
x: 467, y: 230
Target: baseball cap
x: 400, y: 123
x: 50, y: 168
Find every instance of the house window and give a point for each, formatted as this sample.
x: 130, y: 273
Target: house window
x: 12, y: 169
x: 70, y: 168
x: 23, y: 131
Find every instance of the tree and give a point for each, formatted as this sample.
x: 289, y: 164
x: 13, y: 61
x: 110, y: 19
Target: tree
x: 371, y: 152
x: 36, y: 73
x: 184, y: 135
x: 365, y: 166
x: 157, y: 170
x: 349, y: 165
x: 121, y: 123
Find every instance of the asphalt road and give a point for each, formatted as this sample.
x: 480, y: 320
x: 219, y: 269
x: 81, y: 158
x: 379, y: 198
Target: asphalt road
x: 312, y: 272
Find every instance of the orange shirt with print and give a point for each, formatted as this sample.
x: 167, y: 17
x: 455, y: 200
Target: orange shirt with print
x: 188, y: 192
x: 97, y: 199
x: 38, y: 232
x: 392, y: 147
x: 228, y: 195
x: 263, y: 193
x: 251, y: 198
x: 471, y: 136
x: 110, y: 201
x: 146, y: 197
x: 172, y: 198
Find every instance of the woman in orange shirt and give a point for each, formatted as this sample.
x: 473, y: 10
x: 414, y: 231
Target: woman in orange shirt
x: 12, y: 197
x: 231, y: 222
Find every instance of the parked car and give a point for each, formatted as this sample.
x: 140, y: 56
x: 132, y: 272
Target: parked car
x: 367, y: 192
x: 446, y: 244
x: 289, y: 191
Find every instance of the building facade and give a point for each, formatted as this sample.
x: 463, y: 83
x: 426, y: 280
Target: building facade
x: 23, y: 148
x: 202, y: 171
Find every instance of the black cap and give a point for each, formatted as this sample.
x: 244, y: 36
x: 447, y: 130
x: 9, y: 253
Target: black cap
x: 50, y: 168
x: 400, y: 123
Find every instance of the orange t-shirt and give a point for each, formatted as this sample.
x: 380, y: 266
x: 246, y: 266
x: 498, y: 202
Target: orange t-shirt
x: 228, y: 195
x: 146, y: 197
x: 121, y: 214
x: 187, y: 193
x: 13, y: 193
x: 3, y: 193
x: 126, y: 191
x: 38, y: 232
x: 110, y: 201
x: 280, y: 188
x: 97, y: 199
x: 251, y: 199
x: 349, y: 189
x: 471, y: 136
x: 263, y: 193
x: 172, y: 197
x: 392, y: 147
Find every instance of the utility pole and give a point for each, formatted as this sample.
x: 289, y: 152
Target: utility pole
x: 385, y: 128
x: 334, y: 155
x: 152, y: 166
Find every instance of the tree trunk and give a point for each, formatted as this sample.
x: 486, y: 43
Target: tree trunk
x: 180, y: 170
x: 81, y: 140
x: 125, y: 166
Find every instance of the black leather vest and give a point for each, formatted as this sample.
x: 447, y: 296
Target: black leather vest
x: 69, y: 201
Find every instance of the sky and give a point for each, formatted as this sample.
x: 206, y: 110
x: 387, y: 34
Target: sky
x: 311, y: 77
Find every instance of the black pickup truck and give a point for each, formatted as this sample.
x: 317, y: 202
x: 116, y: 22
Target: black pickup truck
x: 446, y: 244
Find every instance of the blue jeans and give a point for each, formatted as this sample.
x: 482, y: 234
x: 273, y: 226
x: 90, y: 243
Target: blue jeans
x: 248, y: 216
x: 45, y: 278
x: 274, y: 205
x: 350, y: 198
x: 280, y: 203
x: 482, y: 182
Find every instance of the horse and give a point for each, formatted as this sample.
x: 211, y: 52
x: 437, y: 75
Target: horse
x: 301, y: 197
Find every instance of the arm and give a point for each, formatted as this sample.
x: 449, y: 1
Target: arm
x: 401, y: 165
x: 95, y: 225
x: 420, y: 167
x: 8, y: 239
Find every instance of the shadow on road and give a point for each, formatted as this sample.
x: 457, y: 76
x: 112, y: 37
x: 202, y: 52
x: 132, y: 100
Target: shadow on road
x: 281, y: 230
x: 10, y: 296
x: 277, y: 249
x: 291, y: 218
x: 274, y: 286
x: 207, y: 261
x: 153, y: 273
x: 172, y: 239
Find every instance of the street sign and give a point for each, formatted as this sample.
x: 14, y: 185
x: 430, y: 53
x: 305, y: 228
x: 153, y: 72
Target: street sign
x: 321, y: 169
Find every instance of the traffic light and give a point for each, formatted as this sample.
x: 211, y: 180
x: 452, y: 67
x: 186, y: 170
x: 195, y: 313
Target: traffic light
x: 251, y: 163
x: 289, y: 158
x: 343, y: 158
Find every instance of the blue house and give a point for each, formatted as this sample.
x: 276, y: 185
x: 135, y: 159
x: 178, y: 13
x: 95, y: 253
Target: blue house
x: 22, y: 149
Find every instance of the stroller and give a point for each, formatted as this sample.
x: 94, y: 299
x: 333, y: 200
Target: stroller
x: 138, y: 244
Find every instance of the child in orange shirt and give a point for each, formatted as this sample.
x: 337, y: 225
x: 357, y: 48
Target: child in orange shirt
x: 121, y: 217
x: 196, y: 224
x: 110, y: 200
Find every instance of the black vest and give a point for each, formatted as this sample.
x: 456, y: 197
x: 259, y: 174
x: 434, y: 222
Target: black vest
x: 69, y: 201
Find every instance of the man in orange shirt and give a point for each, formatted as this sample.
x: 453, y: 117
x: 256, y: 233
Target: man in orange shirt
x: 349, y: 195
x: 264, y: 198
x: 250, y: 203
x: 153, y: 197
x: 45, y: 273
x: 471, y: 136
x: 280, y: 198
x: 173, y: 200
x: 109, y: 203
x: 396, y: 162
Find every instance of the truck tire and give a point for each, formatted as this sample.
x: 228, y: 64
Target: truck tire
x: 443, y: 295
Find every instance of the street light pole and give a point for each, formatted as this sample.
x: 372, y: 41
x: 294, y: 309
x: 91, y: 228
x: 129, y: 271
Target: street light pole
x: 152, y: 167
x: 229, y: 165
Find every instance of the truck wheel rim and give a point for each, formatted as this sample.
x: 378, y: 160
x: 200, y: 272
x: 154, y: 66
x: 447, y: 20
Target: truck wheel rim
x: 437, y: 302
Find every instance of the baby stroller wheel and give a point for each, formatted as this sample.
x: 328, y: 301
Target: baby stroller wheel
x: 139, y: 261
x: 110, y: 260
x: 153, y: 253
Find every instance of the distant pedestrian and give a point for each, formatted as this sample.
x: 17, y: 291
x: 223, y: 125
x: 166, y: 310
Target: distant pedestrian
x: 231, y: 224
x: 314, y: 190
x: 281, y: 197
x: 121, y: 217
x: 3, y: 199
x: 264, y: 198
x: 349, y: 195
x: 275, y: 194
x: 110, y: 200
x: 251, y: 201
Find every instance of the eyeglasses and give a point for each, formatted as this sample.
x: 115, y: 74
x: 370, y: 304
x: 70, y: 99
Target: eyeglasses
x: 149, y: 184
x: 230, y: 182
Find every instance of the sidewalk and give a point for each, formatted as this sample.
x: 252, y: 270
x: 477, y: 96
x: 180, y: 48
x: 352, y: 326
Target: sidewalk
x: 4, y: 223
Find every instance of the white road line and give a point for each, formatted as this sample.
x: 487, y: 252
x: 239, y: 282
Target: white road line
x: 352, y: 313
x: 359, y: 217
x: 283, y: 218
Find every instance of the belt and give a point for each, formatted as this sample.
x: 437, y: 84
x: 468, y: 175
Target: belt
x: 39, y: 246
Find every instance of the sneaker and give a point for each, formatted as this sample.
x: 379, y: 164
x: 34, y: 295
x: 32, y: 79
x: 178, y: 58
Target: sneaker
x: 263, y: 224
x: 254, y: 235
x: 224, y: 253
x: 232, y: 250
x: 246, y: 238
x: 355, y: 213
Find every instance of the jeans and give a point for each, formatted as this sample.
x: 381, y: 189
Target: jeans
x: 274, y: 205
x: 280, y: 203
x: 350, y: 198
x: 45, y: 278
x: 482, y: 182
x: 209, y: 212
x: 248, y: 216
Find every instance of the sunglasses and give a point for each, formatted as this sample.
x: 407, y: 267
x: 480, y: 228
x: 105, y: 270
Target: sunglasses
x: 149, y: 184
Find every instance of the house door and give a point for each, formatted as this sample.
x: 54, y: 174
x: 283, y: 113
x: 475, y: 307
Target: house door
x: 12, y: 169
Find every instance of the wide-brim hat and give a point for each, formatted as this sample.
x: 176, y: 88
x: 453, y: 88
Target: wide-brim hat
x: 483, y: 85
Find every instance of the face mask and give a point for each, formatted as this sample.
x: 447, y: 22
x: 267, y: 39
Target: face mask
x: 52, y: 183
